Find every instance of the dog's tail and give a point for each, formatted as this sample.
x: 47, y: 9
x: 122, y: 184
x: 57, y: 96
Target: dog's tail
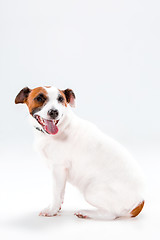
x: 135, y: 211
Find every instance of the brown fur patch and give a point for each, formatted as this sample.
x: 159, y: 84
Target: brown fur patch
x: 65, y: 101
x: 31, y: 102
x: 22, y: 95
x: 70, y: 97
x: 137, y: 210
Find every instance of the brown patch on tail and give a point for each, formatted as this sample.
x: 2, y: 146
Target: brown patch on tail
x: 137, y: 210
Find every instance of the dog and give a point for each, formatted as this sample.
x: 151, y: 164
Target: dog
x: 78, y: 152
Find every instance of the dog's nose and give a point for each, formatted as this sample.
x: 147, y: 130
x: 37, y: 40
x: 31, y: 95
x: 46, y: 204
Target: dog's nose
x: 53, y: 113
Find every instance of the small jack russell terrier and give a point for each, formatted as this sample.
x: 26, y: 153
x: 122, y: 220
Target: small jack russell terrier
x: 78, y: 152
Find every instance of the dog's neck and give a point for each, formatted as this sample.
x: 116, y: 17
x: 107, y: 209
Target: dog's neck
x: 39, y: 129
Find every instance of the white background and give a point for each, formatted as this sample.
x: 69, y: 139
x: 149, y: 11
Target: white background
x: 108, y: 52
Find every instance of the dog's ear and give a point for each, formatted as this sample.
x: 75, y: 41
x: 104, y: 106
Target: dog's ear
x: 70, y: 97
x: 22, y: 95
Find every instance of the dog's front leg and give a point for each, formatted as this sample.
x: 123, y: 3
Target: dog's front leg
x: 59, y: 175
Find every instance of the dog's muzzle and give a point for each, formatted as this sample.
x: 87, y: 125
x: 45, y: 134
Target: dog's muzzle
x: 49, y: 126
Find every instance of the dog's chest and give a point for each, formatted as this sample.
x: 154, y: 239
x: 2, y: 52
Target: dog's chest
x: 55, y: 151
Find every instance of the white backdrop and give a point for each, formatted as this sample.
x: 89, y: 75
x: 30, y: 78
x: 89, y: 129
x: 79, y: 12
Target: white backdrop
x: 107, y: 51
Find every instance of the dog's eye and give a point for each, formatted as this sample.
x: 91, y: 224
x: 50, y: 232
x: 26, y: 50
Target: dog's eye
x: 60, y: 99
x: 40, y: 98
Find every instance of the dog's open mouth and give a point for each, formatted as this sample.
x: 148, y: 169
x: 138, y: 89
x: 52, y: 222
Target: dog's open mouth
x: 50, y: 126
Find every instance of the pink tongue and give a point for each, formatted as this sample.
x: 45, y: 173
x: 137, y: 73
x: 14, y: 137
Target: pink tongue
x: 50, y: 127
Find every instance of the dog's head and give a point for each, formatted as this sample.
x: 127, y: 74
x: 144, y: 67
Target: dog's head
x: 47, y: 105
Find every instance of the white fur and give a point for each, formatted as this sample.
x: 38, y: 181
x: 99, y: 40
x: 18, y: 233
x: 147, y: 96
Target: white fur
x: 101, y: 168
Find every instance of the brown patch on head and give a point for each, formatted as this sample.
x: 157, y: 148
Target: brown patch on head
x: 69, y: 96
x: 63, y: 95
x: 36, y: 99
x: 47, y: 86
x: 137, y: 210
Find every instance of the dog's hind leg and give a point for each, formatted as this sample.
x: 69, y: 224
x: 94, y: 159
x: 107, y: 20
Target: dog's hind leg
x: 98, y: 214
x: 97, y: 196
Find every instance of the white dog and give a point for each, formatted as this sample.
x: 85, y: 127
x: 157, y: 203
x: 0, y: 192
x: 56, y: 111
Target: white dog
x: 78, y: 152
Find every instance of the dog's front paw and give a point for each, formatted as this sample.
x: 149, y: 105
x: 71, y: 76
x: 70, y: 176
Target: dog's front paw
x: 81, y: 214
x: 49, y: 212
